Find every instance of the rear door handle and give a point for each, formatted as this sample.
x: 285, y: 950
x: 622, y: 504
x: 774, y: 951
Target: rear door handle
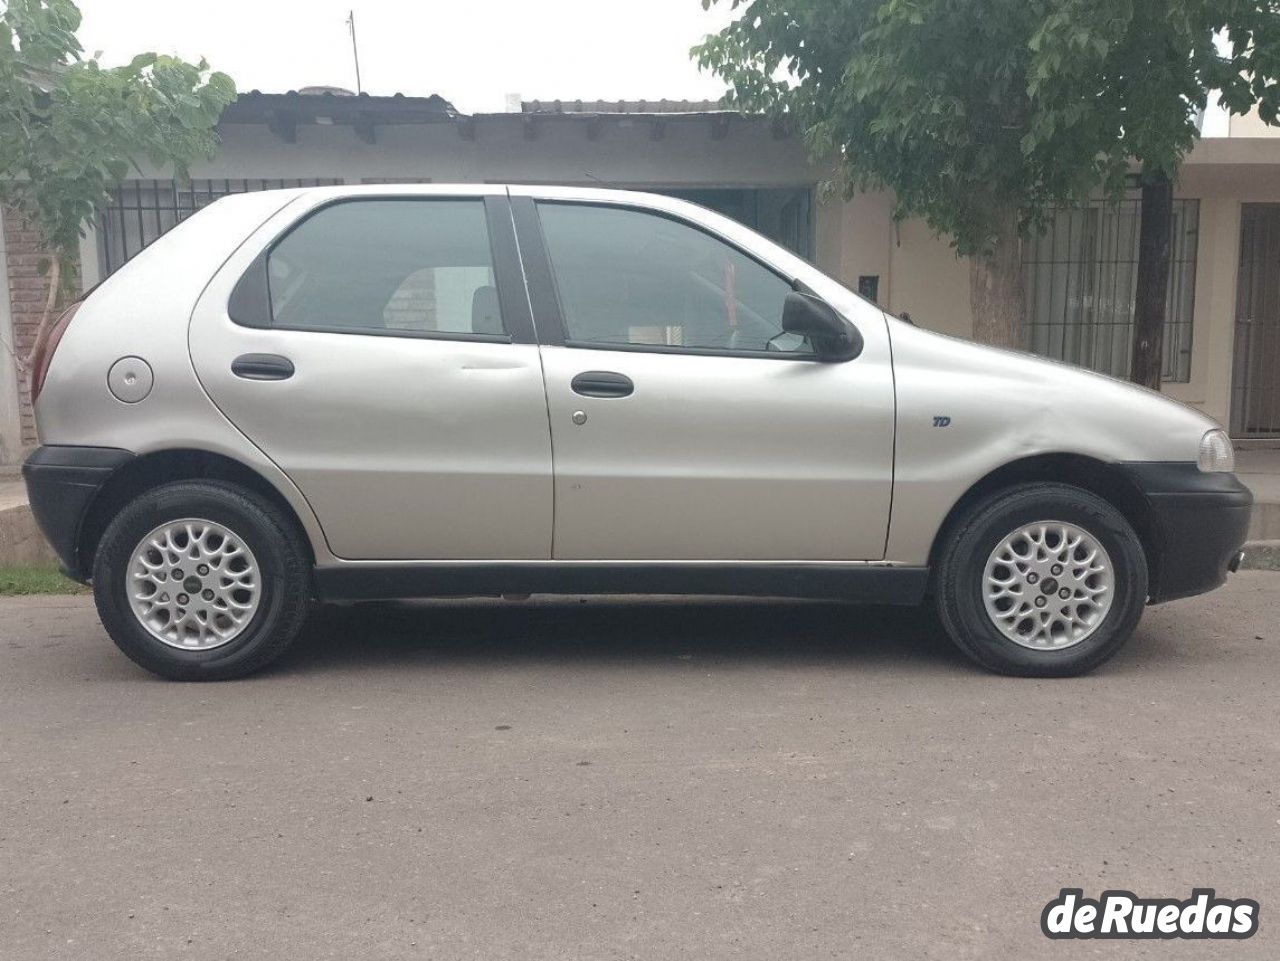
x: 602, y: 383
x: 262, y: 367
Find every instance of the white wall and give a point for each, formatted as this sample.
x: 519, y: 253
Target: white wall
x: 561, y: 152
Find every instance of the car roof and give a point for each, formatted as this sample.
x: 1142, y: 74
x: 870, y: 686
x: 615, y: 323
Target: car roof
x: 637, y: 197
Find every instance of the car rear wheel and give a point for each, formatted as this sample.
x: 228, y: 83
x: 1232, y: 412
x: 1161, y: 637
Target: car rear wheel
x: 201, y: 581
x: 1041, y: 580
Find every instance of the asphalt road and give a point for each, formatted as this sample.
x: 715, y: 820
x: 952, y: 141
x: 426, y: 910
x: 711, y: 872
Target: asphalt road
x: 599, y: 779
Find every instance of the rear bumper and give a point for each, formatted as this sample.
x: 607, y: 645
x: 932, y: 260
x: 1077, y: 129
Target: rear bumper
x: 61, y: 484
x: 1200, y: 523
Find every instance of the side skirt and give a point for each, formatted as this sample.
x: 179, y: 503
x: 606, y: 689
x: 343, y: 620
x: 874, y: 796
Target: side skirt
x: 863, y: 583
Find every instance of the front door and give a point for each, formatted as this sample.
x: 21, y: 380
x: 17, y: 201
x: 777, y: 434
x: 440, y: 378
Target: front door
x: 1255, y: 383
x: 392, y: 379
x: 686, y: 426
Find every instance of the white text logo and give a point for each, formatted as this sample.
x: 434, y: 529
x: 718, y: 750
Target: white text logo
x: 1122, y: 914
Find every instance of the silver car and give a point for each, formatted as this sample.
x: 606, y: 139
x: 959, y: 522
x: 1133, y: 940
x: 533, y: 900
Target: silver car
x: 387, y: 392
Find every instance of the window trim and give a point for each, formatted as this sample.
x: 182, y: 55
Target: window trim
x: 460, y: 336
x: 250, y: 302
x: 544, y: 290
x: 694, y: 351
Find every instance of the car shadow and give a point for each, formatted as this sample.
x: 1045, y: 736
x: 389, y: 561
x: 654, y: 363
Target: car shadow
x: 618, y: 630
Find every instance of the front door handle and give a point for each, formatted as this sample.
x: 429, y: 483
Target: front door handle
x: 602, y: 383
x: 262, y: 367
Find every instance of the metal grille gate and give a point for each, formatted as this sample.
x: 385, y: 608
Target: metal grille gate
x: 141, y: 211
x: 1081, y: 277
x: 1255, y: 376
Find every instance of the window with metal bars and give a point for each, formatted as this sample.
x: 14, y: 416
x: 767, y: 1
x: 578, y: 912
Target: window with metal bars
x: 1081, y: 279
x: 141, y: 211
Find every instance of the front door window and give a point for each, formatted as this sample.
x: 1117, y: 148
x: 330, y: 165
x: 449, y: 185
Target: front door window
x: 630, y: 278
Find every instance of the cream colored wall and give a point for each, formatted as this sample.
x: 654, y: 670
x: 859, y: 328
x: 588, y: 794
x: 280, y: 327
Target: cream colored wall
x: 1222, y: 190
x: 1250, y: 125
x: 929, y: 281
x: 831, y: 237
x: 919, y: 273
x: 864, y: 225
x: 1212, y: 329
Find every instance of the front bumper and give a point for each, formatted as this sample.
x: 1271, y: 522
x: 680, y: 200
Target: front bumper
x: 1200, y: 522
x: 61, y: 484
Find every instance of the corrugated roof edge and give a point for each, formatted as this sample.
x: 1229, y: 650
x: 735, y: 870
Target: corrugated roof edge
x: 624, y: 106
x: 256, y: 106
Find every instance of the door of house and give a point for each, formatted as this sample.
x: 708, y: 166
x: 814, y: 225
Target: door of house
x: 1255, y: 380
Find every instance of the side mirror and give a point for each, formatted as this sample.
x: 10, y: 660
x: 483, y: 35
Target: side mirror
x: 834, y: 339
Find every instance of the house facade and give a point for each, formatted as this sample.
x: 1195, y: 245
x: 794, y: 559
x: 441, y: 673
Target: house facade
x: 1223, y: 337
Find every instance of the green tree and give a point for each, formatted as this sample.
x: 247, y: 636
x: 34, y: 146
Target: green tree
x: 1152, y: 66
x: 984, y: 115
x: 71, y: 129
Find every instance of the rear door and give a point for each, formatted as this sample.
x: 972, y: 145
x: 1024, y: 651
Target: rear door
x: 381, y: 353
x: 686, y: 425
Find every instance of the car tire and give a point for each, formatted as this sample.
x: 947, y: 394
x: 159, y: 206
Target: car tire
x: 1023, y: 589
x: 253, y: 593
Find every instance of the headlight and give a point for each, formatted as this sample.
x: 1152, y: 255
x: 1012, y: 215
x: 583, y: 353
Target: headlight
x: 1216, y: 453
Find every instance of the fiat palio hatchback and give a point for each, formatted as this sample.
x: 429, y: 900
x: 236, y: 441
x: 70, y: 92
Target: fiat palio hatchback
x: 352, y: 392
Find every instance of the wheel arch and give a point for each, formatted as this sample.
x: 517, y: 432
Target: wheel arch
x: 1078, y: 470
x: 166, y: 466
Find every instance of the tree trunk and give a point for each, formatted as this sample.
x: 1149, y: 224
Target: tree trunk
x: 1153, y: 280
x: 997, y: 289
x: 42, y: 328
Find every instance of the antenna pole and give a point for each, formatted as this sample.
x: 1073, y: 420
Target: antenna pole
x: 355, y: 49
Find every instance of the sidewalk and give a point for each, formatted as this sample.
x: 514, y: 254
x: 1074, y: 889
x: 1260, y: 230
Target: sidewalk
x: 20, y: 539
x: 1260, y: 471
x: 13, y: 493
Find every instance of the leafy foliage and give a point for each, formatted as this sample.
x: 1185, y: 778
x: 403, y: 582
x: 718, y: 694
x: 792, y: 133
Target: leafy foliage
x: 71, y: 129
x: 971, y: 108
x: 1147, y: 67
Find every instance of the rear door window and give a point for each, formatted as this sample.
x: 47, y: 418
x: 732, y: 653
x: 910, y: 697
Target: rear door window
x: 408, y: 267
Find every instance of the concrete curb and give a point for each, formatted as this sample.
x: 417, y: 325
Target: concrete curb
x: 1265, y: 523
x: 21, y: 541
x: 1262, y: 556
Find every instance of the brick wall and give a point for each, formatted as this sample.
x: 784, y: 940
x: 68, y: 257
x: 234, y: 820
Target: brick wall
x: 25, y: 248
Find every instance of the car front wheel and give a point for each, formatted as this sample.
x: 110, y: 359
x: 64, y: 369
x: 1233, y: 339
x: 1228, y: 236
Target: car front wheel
x: 201, y: 581
x: 1041, y: 580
